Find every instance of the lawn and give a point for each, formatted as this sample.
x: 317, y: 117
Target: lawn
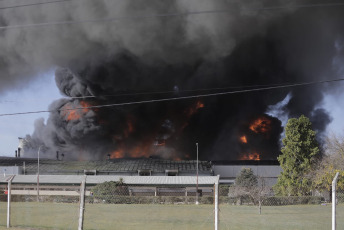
x: 122, y: 216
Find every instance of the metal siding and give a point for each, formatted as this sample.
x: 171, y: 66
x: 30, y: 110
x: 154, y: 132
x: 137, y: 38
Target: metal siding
x: 232, y: 171
x: 10, y: 170
x: 74, y: 179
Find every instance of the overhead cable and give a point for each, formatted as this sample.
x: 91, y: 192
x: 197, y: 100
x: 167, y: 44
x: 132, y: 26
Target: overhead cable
x: 173, y: 91
x: 33, y: 4
x: 177, y: 98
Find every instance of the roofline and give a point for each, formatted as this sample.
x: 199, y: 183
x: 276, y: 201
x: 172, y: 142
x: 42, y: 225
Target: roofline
x: 247, y: 162
x: 129, y: 180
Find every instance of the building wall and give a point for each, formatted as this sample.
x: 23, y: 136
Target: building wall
x: 228, y: 173
x: 10, y: 170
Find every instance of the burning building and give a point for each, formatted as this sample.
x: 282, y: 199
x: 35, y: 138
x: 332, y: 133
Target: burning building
x: 123, y: 82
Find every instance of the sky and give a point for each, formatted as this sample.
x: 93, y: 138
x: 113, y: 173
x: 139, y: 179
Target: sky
x: 33, y: 96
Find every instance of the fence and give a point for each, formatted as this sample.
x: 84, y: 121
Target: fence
x: 156, y: 203
x: 111, y: 203
x: 52, y: 207
x: 259, y: 209
x: 148, y: 207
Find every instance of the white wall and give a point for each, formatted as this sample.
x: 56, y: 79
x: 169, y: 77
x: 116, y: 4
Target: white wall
x: 228, y: 173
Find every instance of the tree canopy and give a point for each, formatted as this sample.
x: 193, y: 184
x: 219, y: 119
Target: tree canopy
x: 299, y: 152
x: 246, y: 178
x: 331, y: 163
x: 248, y: 185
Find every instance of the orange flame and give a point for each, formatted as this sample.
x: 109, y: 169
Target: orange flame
x: 199, y: 105
x: 145, y: 149
x: 129, y: 128
x: 261, y: 125
x: 192, y: 110
x: 117, y: 154
x: 243, y: 139
x: 251, y: 157
x: 72, y: 114
x: 140, y: 150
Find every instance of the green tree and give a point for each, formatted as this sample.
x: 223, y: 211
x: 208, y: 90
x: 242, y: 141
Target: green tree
x: 299, y: 152
x: 246, y: 178
x: 330, y: 164
x: 249, y: 187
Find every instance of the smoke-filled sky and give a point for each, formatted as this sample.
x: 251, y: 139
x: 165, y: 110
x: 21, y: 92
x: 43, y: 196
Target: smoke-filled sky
x: 98, y: 63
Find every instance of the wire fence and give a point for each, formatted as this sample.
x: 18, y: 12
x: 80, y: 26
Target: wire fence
x: 340, y: 208
x: 249, y: 211
x: 118, y: 205
x: 109, y: 205
x: 52, y: 208
x: 3, y: 208
x: 148, y: 207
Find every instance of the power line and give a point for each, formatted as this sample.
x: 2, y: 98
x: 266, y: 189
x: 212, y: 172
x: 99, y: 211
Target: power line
x: 178, y: 98
x: 146, y: 93
x: 33, y: 4
x: 174, y: 91
x: 71, y: 22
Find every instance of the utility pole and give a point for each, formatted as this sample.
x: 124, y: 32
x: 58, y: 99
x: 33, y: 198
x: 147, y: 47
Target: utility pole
x: 197, y: 176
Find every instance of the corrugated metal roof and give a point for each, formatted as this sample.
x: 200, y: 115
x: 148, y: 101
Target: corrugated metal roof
x: 45, y: 179
x: 48, y: 166
x: 137, y: 180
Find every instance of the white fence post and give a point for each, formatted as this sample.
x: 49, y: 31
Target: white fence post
x: 9, y: 188
x: 334, y: 185
x: 217, y: 203
x: 82, y: 204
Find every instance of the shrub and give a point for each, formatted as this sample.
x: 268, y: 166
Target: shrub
x: 292, y: 200
x: 110, y: 191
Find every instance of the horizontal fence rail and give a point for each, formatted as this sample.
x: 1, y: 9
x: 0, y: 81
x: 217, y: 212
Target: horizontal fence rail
x: 159, y: 203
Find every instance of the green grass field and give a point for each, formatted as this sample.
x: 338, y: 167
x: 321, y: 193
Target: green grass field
x: 31, y: 215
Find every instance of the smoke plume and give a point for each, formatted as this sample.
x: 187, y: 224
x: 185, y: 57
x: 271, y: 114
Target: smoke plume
x: 120, y: 61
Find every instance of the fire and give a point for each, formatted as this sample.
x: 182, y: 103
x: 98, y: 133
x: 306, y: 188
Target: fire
x: 141, y: 150
x: 243, y: 139
x: 71, y: 113
x: 117, y: 154
x: 192, y: 110
x: 129, y: 127
x: 189, y: 112
x: 261, y: 125
x: 199, y: 105
x: 144, y: 149
x: 251, y: 157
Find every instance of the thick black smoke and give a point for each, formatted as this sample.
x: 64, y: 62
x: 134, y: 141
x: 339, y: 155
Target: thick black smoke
x: 128, y: 58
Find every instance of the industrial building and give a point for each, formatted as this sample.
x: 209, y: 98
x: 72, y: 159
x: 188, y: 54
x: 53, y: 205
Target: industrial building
x: 227, y: 170
x: 120, y: 167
